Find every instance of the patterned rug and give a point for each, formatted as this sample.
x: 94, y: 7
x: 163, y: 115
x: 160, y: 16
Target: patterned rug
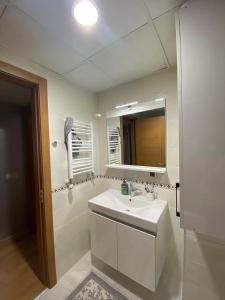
x: 94, y: 288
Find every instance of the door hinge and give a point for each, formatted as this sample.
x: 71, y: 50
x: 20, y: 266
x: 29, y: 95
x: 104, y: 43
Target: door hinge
x: 41, y: 196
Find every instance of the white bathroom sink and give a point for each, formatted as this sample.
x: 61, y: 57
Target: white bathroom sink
x: 138, y: 211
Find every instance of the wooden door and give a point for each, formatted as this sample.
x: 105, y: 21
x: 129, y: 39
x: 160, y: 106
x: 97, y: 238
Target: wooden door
x: 41, y: 167
x: 150, y: 141
x: 127, y: 124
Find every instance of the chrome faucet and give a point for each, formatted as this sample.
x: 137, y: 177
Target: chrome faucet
x: 134, y: 191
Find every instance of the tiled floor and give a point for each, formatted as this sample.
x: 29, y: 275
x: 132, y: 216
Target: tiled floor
x: 68, y: 283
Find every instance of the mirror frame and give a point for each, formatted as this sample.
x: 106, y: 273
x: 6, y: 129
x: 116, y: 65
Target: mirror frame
x: 140, y: 107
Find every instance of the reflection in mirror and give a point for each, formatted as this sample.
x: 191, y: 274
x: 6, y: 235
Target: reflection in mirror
x: 138, y: 138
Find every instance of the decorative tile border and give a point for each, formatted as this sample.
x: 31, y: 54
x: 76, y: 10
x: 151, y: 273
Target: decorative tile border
x: 154, y: 184
x: 60, y: 189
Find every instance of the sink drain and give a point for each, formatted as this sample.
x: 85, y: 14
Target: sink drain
x: 127, y: 210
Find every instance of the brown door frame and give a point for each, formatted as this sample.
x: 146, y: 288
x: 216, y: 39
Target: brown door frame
x: 43, y: 195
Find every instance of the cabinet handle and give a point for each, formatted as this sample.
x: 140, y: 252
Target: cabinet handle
x: 177, y: 187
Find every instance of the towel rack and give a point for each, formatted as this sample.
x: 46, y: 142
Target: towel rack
x: 114, y: 145
x: 80, y: 149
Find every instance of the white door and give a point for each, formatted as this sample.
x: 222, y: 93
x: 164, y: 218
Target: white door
x: 104, y: 239
x: 136, y: 255
x: 202, y: 116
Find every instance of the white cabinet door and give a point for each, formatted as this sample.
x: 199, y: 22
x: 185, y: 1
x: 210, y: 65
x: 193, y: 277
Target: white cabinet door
x: 201, y: 27
x: 136, y: 255
x: 104, y: 239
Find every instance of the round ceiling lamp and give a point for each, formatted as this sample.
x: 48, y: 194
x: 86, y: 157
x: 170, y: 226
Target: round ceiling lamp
x: 85, y: 13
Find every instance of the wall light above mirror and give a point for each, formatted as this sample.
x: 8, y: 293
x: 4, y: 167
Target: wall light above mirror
x: 136, y: 136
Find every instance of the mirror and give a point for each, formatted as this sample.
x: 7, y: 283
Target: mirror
x: 137, y: 135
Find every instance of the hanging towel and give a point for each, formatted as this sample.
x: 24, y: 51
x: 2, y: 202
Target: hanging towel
x: 67, y: 129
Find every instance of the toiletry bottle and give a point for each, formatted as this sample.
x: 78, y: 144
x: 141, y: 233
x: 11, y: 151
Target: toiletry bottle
x: 124, y: 188
x: 150, y: 193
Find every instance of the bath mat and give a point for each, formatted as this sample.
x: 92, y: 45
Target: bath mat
x: 94, y: 288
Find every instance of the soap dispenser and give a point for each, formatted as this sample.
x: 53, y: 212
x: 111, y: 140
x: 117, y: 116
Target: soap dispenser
x: 124, y: 188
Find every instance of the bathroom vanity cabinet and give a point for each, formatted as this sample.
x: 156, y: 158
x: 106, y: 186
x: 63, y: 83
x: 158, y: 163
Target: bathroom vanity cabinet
x: 137, y: 254
x: 104, y: 239
x: 201, y: 75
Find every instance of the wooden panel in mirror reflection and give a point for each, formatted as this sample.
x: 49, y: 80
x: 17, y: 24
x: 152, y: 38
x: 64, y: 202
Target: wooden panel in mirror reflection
x: 143, y: 141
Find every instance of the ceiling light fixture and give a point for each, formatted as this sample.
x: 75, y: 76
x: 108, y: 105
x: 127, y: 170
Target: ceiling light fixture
x: 159, y: 99
x: 85, y: 13
x: 126, y: 105
x: 98, y: 115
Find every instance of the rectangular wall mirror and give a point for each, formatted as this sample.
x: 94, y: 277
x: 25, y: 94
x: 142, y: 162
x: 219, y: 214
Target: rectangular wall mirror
x: 137, y: 136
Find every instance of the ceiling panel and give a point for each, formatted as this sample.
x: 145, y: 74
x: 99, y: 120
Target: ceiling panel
x: 90, y: 77
x: 132, y: 57
x: 159, y: 7
x: 165, y: 26
x: 122, y: 47
x: 117, y: 18
x: 20, y: 32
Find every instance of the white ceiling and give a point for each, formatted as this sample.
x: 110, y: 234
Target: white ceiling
x: 132, y: 38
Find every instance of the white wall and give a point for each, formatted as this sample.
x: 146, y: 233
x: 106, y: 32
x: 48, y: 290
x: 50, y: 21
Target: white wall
x: 69, y: 210
x: 161, y: 84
